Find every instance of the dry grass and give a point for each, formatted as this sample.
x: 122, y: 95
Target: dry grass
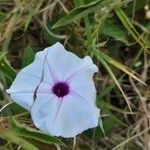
x: 29, y: 22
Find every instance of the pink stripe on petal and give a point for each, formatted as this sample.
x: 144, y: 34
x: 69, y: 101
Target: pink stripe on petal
x: 42, y: 106
x: 79, y: 96
x: 58, y: 109
x: 76, y: 73
x: 52, y: 73
x: 32, y: 91
x: 37, y: 77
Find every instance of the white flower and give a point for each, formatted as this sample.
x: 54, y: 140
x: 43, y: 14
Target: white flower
x: 59, y: 91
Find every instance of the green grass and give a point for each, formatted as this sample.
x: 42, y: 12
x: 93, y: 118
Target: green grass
x: 114, y: 33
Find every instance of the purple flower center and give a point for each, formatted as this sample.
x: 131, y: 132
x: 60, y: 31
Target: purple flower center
x: 60, y: 89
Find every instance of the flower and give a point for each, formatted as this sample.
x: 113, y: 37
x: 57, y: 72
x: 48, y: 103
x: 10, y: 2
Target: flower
x: 59, y: 91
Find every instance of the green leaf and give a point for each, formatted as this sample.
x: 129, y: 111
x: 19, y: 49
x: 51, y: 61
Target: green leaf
x: 12, y: 109
x: 2, y: 16
x: 103, y: 57
x: 107, y: 110
x: 108, y: 122
x: 138, y: 4
x: 10, y: 136
x: 101, y: 125
x: 29, y: 17
x: 81, y: 11
x: 88, y: 1
x: 78, y: 2
x: 128, y: 25
x: 106, y: 91
x: 104, y: 63
x: 5, y: 68
x: 22, y: 130
x: 110, y: 29
x: 49, y: 38
x: 111, y: 107
x: 28, y: 56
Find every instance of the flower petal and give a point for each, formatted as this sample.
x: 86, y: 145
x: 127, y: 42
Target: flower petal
x: 64, y: 117
x: 24, y: 100
x: 75, y: 116
x: 39, y: 67
x: 83, y: 85
x: 44, y: 112
x: 23, y: 88
x: 85, y: 64
x: 65, y: 63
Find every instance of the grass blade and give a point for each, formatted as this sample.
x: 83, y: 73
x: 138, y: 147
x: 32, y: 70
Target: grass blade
x: 118, y: 65
x: 28, y: 56
x: 81, y: 11
x: 128, y: 25
x: 5, y: 67
x: 10, y: 136
x: 27, y: 132
x: 114, y: 78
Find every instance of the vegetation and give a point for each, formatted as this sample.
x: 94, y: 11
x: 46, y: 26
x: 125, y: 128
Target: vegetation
x: 115, y: 33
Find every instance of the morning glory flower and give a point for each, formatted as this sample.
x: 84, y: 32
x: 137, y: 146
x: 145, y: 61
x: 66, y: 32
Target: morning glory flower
x: 58, y: 90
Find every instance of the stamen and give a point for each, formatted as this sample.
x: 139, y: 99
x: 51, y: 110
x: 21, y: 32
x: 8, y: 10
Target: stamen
x: 60, y: 89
